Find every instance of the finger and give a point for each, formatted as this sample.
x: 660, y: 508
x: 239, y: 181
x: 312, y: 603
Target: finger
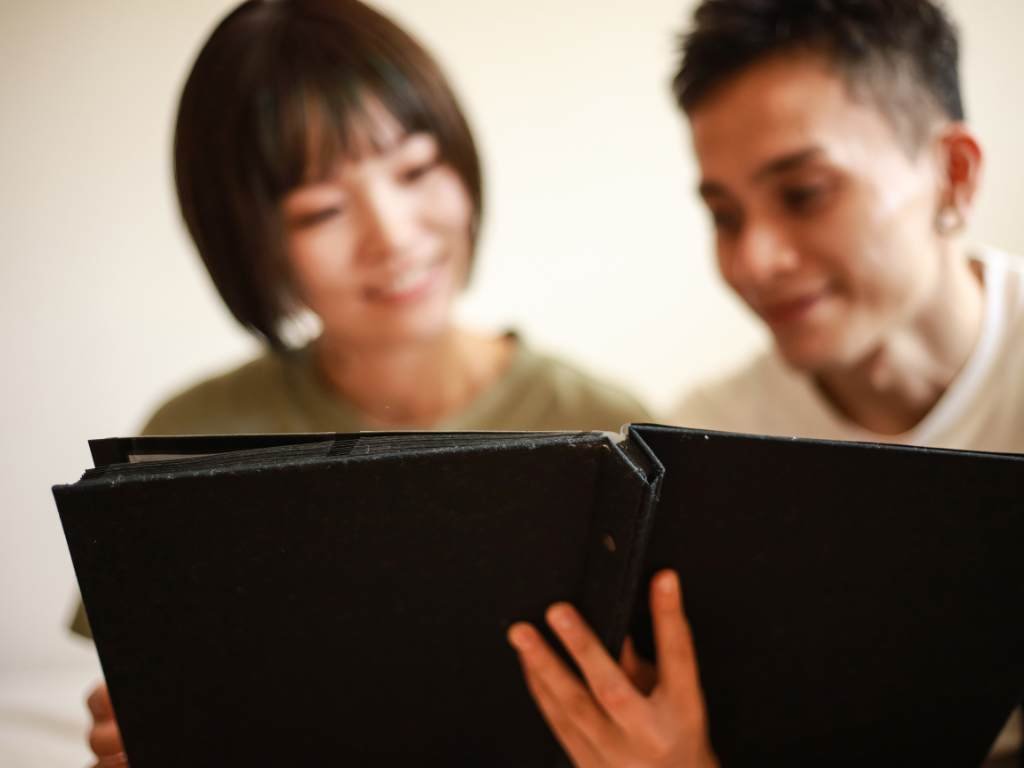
x: 611, y: 688
x: 677, y: 664
x: 569, y: 703
x: 628, y: 659
x: 640, y: 672
x: 99, y: 703
x: 105, y: 739
x: 575, y: 744
x: 120, y: 760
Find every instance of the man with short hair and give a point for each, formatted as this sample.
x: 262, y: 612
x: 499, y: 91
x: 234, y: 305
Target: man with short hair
x: 839, y: 174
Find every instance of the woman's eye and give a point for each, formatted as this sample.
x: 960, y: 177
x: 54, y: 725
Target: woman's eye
x: 318, y: 216
x: 417, y: 172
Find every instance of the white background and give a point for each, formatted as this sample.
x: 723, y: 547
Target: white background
x: 593, y: 244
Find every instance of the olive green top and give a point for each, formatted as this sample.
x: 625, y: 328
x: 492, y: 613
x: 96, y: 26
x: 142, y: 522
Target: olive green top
x: 284, y: 393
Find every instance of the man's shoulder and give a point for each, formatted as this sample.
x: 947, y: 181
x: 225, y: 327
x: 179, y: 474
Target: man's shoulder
x: 1004, y: 288
x: 1003, y: 271
x: 1000, y: 392
x: 747, y: 399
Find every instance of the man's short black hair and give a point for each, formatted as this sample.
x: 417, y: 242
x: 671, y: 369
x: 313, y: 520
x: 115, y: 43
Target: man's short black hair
x: 879, y: 46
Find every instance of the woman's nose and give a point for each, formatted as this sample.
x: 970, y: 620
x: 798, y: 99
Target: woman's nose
x: 389, y: 224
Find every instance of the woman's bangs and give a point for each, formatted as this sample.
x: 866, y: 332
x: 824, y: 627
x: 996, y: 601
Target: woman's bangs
x: 325, y: 106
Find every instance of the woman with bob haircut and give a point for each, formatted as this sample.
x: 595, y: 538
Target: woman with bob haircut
x: 325, y: 170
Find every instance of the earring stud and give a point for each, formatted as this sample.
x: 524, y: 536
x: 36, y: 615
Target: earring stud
x: 949, y: 220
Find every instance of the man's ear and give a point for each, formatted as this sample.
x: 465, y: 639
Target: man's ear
x: 961, y: 160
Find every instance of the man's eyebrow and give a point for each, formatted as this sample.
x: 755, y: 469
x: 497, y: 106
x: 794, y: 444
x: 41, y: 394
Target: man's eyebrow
x: 785, y: 163
x: 775, y: 167
x: 708, y: 189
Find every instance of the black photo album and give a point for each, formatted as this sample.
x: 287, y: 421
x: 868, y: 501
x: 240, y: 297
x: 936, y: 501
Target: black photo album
x: 342, y: 599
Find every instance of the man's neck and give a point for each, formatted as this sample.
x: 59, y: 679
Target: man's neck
x: 412, y: 384
x: 896, y: 386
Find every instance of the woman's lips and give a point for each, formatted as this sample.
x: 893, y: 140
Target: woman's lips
x: 409, y: 286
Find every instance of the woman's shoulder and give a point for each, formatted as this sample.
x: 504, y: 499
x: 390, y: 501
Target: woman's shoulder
x: 250, y: 398
x: 545, y: 392
x: 569, y: 379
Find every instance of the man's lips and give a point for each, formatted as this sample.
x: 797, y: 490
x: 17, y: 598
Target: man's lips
x: 791, y: 309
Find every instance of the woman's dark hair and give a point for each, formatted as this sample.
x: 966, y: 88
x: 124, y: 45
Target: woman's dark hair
x: 897, y: 50
x: 279, y: 85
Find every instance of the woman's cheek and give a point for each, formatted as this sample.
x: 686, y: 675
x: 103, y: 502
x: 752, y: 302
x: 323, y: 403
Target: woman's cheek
x: 447, y: 200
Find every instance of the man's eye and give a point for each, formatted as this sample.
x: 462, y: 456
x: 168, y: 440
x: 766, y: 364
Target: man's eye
x: 312, y: 218
x: 726, y: 222
x: 804, y: 199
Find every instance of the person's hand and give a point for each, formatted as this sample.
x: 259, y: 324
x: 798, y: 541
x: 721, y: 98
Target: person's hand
x: 104, y: 735
x: 608, y: 721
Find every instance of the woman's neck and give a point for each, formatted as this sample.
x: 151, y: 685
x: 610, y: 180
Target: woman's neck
x: 413, y: 384
x: 895, y: 387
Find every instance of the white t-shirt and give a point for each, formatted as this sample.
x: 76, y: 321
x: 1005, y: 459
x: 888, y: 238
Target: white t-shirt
x: 983, y: 409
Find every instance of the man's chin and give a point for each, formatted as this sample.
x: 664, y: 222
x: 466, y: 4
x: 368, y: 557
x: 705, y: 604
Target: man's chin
x: 810, y: 356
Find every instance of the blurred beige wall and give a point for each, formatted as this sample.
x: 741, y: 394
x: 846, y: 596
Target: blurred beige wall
x: 594, y: 245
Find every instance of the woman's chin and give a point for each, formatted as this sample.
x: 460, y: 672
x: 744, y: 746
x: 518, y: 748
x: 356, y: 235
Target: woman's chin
x: 392, y: 333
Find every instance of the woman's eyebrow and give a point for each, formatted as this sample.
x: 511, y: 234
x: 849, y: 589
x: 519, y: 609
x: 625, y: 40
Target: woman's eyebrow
x: 413, y: 140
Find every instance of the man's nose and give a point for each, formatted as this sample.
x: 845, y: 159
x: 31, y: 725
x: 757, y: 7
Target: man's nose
x: 761, y: 253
